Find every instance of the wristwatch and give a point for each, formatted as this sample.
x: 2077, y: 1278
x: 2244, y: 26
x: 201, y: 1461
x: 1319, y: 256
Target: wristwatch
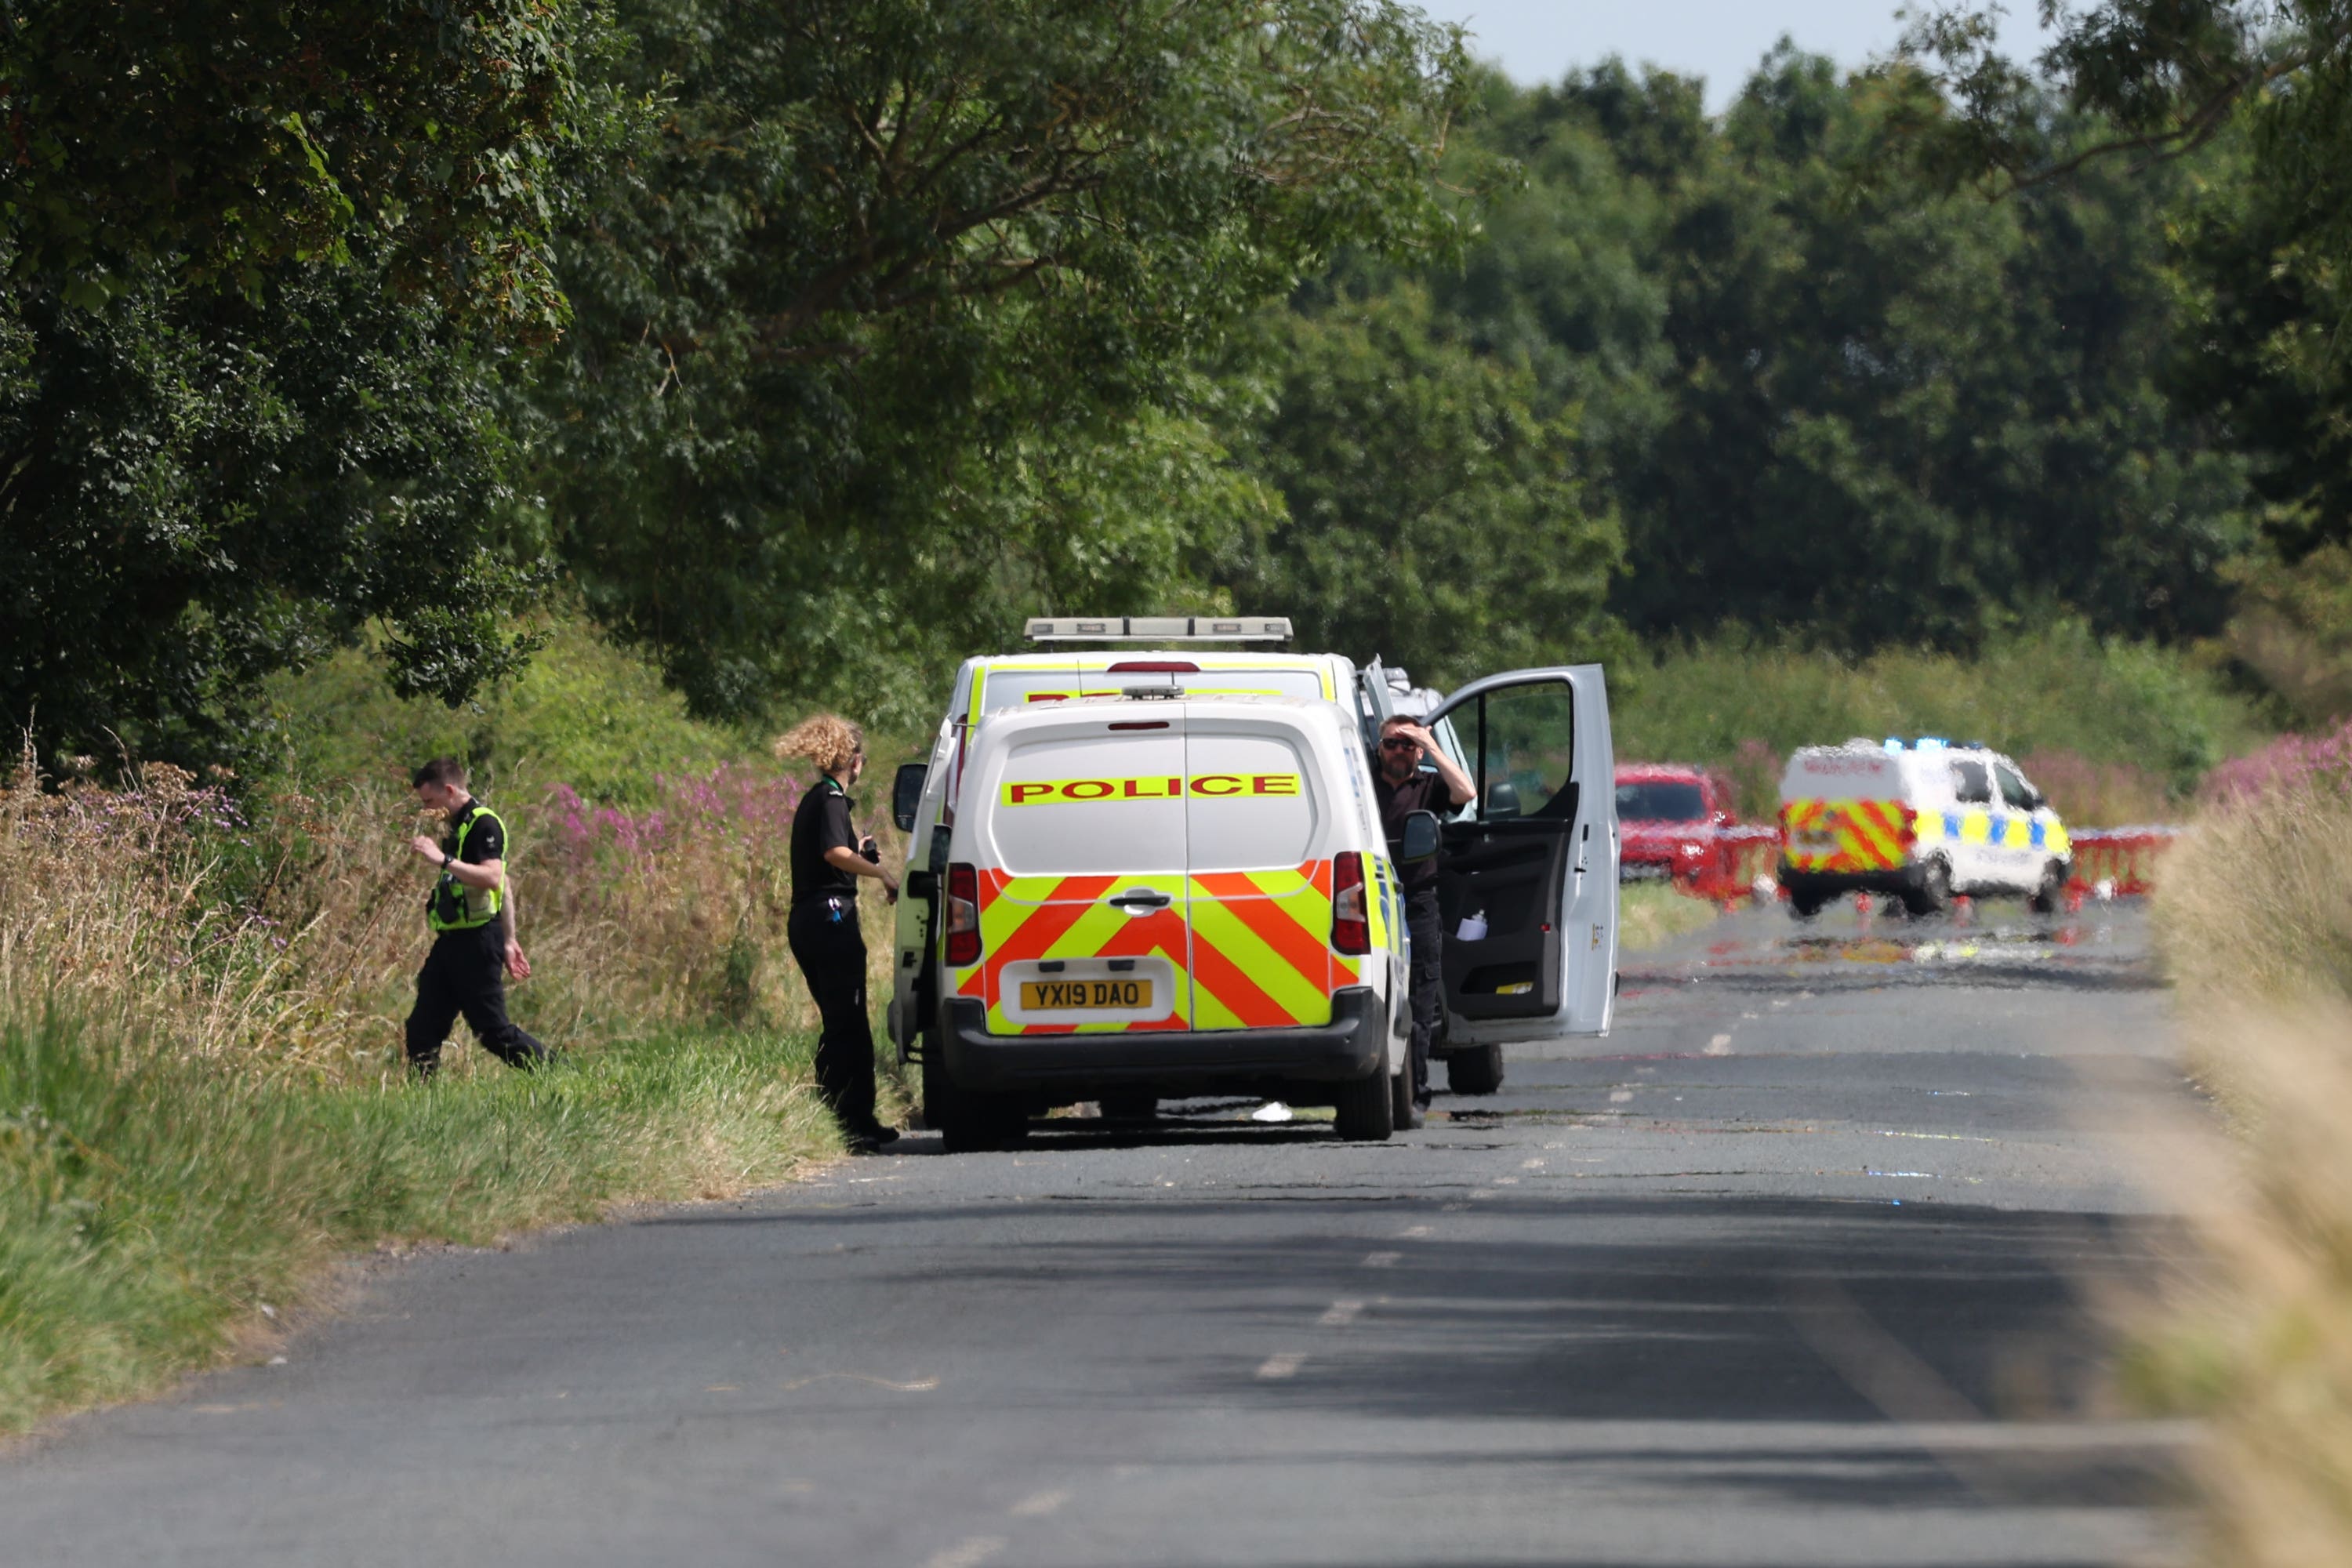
x: 445, y: 859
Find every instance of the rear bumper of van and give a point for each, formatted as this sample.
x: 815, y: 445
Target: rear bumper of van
x: 1211, y: 1061
x: 1902, y: 879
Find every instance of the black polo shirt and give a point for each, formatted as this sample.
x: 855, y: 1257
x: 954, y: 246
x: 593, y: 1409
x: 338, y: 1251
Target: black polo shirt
x: 1424, y: 791
x: 485, y: 841
x: 822, y: 823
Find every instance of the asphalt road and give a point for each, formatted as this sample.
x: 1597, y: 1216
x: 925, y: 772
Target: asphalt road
x: 1791, y: 1272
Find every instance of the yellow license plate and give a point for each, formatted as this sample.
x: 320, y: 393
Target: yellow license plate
x: 1047, y: 995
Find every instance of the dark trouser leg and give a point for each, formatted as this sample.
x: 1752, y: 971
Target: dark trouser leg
x: 832, y: 956
x: 485, y: 1004
x: 438, y: 1001
x: 464, y: 973
x: 1428, y: 982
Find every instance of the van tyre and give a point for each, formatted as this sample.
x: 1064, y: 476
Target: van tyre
x: 969, y: 1123
x: 1362, y: 1112
x: 1804, y: 903
x: 2046, y: 898
x: 1931, y: 893
x: 1404, y: 1115
x: 1474, y: 1070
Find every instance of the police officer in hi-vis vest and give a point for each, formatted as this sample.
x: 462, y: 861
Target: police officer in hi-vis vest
x: 472, y: 917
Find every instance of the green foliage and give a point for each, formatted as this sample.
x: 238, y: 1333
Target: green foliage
x: 2062, y: 689
x: 150, y: 1207
x: 202, y: 488
x: 1430, y: 516
x: 203, y: 492
x: 1828, y: 399
x: 216, y: 140
x: 2261, y: 92
x: 890, y: 288
x: 584, y: 713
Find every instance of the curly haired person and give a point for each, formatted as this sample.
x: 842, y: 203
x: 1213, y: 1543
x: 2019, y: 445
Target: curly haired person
x: 828, y: 859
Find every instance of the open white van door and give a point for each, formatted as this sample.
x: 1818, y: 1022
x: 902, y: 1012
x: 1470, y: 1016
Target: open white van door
x: 1533, y: 861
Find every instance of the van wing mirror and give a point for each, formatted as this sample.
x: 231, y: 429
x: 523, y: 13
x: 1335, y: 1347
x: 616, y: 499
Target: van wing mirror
x: 907, y: 793
x: 1420, y: 836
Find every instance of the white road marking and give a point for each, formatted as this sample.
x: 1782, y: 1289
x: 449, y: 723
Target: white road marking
x: 1620, y: 1096
x: 1719, y: 1046
x: 1381, y: 1259
x: 1339, y: 1314
x: 970, y: 1553
x: 1038, y: 1505
x: 1531, y: 1165
x: 1286, y: 1364
x: 1413, y: 1231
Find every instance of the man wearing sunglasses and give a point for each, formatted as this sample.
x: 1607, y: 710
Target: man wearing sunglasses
x: 1402, y: 787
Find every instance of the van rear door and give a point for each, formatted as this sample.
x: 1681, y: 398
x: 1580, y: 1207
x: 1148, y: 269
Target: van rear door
x: 1081, y: 871
x: 1535, y: 859
x: 1258, y: 824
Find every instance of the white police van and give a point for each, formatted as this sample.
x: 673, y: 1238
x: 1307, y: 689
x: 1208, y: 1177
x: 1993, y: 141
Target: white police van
x: 1533, y: 858
x: 1920, y: 821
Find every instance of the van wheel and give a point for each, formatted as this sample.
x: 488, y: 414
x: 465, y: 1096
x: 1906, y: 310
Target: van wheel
x: 1361, y: 1111
x: 1933, y: 896
x: 1129, y: 1107
x: 969, y: 1123
x: 1400, y: 1106
x: 2046, y: 899
x: 1474, y: 1070
x: 1804, y: 903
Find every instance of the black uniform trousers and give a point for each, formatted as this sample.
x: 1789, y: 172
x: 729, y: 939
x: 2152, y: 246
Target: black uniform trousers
x: 1428, y: 932
x: 830, y: 951
x: 466, y: 973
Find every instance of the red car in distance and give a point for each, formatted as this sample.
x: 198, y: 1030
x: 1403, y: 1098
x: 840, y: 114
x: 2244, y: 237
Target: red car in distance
x: 1670, y: 817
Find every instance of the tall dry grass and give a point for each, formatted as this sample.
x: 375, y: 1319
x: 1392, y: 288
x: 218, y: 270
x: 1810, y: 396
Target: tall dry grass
x: 284, y: 933
x: 2256, y: 921
x: 202, y: 1091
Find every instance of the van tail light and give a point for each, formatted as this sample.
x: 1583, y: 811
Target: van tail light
x: 1351, y: 927
x: 963, y: 916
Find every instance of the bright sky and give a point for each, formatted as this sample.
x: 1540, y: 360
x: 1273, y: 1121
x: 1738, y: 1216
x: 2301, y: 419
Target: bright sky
x: 1722, y: 40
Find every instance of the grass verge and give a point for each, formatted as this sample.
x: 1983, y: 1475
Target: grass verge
x: 1652, y: 914
x: 151, y: 1204
x: 2255, y: 920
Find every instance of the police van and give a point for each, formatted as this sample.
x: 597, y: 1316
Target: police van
x: 1144, y: 795
x: 1920, y: 821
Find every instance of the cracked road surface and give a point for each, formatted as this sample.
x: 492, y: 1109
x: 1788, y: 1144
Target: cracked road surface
x: 1789, y: 1272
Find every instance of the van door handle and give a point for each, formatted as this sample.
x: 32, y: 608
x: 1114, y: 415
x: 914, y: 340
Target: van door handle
x: 1142, y: 899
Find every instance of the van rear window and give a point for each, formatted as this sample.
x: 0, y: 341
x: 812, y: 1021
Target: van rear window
x: 1099, y: 803
x: 1251, y: 802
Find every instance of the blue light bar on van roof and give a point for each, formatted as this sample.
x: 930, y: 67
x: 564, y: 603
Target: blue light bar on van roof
x: 1894, y: 744
x: 1929, y: 743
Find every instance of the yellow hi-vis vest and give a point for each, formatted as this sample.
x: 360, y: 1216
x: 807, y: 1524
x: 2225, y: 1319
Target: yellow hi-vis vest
x: 452, y: 905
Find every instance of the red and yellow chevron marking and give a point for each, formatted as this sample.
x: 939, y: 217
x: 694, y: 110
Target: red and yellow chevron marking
x: 1023, y: 918
x: 1261, y: 954
x: 1844, y: 834
x: 1250, y: 949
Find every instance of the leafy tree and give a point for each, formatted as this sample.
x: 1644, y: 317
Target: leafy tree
x: 1829, y: 399
x: 201, y: 489
x: 217, y: 139
x: 2263, y: 89
x: 1433, y: 516
x: 265, y: 264
x: 892, y: 280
